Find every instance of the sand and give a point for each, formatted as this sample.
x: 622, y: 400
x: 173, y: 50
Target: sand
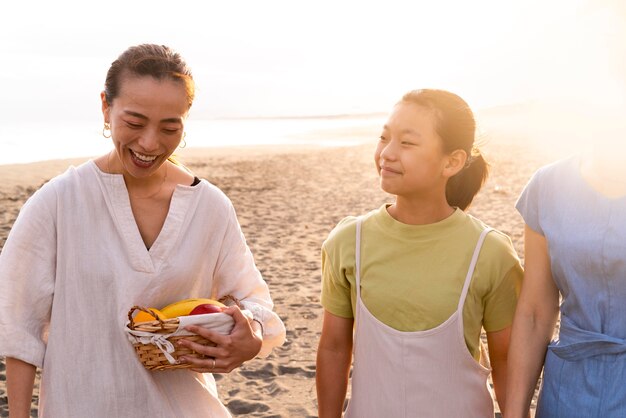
x: 287, y: 200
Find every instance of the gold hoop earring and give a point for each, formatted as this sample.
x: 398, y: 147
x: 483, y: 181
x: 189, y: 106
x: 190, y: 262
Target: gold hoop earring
x: 107, y: 127
x: 183, y: 141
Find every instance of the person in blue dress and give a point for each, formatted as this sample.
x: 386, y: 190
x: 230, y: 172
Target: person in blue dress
x: 575, y: 247
x: 575, y: 266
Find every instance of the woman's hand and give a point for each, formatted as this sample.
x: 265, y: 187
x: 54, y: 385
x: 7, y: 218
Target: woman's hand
x: 230, y: 351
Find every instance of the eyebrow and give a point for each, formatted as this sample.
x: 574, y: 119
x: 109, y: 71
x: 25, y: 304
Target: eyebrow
x: 404, y: 131
x: 144, y: 117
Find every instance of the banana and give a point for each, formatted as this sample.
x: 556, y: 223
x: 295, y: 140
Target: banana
x: 184, y: 307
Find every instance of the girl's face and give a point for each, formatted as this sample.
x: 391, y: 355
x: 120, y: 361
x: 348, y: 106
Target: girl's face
x: 147, y: 122
x: 409, y: 157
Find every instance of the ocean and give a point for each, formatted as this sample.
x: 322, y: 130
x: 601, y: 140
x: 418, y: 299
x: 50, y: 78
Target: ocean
x: 30, y: 142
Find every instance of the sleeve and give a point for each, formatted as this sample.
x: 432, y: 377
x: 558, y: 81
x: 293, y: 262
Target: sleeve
x: 499, y: 305
x: 528, y: 203
x: 505, y: 282
x: 236, y: 274
x: 27, y: 278
x: 336, y: 295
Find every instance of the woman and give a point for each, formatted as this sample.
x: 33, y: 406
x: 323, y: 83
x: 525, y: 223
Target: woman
x: 128, y: 228
x: 418, y: 279
x: 575, y: 263
x: 574, y: 249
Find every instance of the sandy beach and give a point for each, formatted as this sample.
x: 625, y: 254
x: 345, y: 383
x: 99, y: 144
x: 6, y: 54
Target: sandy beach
x: 287, y: 200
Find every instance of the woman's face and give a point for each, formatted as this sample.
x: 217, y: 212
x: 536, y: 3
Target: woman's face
x: 147, y: 122
x: 409, y: 157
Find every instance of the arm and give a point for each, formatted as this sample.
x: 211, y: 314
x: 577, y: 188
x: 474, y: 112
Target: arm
x: 236, y: 274
x: 498, y: 342
x: 533, y: 325
x: 20, y: 383
x: 334, y: 356
x: 26, y: 293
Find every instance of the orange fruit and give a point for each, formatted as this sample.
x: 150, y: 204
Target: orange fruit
x: 145, y: 317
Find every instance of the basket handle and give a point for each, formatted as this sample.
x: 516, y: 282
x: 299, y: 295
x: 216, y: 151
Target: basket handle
x: 146, y: 310
x: 230, y: 300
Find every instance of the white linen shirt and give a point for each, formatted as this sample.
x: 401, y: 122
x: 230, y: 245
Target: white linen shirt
x: 74, y: 264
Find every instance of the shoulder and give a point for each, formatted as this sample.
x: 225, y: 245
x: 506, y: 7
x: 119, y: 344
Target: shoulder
x: 345, y: 228
x: 344, y: 233
x: 499, y: 252
x: 43, y: 204
x: 554, y: 172
x: 560, y: 166
x: 212, y: 196
x: 210, y: 190
x: 497, y: 249
x: 82, y: 175
x: 63, y: 182
x: 548, y: 187
x: 342, y: 238
x: 498, y: 242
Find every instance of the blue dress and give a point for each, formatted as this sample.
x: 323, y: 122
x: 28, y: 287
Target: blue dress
x: 585, y: 367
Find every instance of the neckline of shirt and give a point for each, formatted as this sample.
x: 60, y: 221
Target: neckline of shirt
x: 394, y: 227
x: 120, y: 177
x: 576, y: 164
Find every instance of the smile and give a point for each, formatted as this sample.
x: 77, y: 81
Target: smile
x: 388, y: 170
x: 142, y: 157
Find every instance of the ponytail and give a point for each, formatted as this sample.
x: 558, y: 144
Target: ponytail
x: 463, y: 186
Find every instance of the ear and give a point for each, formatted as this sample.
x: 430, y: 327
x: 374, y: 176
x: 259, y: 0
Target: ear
x: 105, y: 107
x: 455, y: 162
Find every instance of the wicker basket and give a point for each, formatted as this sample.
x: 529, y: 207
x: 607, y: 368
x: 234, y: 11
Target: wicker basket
x: 151, y: 355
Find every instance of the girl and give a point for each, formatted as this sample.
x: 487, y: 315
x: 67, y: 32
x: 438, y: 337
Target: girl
x: 127, y: 228
x: 418, y: 278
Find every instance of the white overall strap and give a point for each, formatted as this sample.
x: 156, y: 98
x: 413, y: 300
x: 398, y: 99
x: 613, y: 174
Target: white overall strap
x: 472, y: 267
x: 357, y: 248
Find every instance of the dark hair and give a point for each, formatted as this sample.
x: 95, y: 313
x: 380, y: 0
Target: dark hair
x: 158, y: 61
x: 456, y: 127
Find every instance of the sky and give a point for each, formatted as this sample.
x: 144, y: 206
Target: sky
x: 269, y: 58
x: 557, y: 65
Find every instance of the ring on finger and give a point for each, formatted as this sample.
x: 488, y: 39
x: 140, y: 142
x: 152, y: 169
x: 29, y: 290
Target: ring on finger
x: 213, y: 364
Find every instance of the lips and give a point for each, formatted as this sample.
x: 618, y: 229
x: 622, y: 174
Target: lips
x: 388, y: 170
x: 142, y: 160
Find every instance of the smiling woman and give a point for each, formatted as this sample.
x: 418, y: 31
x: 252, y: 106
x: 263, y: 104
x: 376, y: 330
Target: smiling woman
x: 148, y: 92
x: 128, y: 228
x: 146, y: 123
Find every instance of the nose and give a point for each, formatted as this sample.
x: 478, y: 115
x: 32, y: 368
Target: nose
x: 149, y: 140
x: 388, y: 151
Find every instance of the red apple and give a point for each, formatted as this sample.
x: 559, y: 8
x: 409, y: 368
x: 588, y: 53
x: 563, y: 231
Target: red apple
x: 205, y: 308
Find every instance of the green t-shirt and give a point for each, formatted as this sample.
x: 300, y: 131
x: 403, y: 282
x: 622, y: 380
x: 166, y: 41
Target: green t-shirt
x: 412, y: 275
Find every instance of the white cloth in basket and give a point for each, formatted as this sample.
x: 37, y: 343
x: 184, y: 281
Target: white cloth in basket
x: 218, y: 322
